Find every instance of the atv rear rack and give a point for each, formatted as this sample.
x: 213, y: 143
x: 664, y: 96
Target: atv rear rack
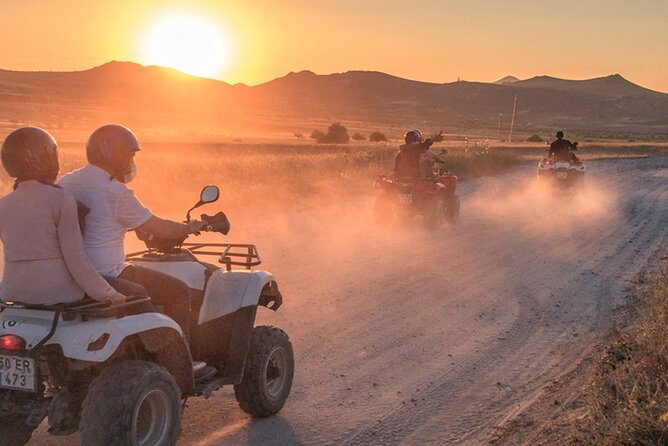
x: 84, y: 308
x: 229, y: 254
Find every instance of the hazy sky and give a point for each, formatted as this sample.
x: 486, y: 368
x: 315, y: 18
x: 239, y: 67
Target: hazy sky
x: 419, y: 39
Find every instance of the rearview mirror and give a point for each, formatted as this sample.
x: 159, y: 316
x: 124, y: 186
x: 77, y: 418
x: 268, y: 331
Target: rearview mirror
x: 209, y: 194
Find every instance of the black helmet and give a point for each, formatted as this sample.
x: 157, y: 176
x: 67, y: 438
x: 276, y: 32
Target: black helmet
x: 30, y: 153
x: 112, y: 146
x: 560, y: 134
x: 413, y: 137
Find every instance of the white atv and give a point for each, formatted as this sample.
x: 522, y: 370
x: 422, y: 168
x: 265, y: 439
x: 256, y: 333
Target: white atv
x: 121, y: 375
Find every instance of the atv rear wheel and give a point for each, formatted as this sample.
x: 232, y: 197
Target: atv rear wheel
x: 14, y: 431
x: 383, y: 210
x: 452, y: 213
x: 13, y: 428
x: 268, y: 373
x: 134, y: 403
x: 434, y: 213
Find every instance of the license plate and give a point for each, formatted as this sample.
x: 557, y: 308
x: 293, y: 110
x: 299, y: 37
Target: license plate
x: 562, y: 175
x: 405, y: 198
x: 17, y: 373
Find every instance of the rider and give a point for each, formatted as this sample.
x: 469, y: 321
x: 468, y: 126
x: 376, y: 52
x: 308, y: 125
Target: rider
x: 414, y: 159
x: 407, y: 161
x: 44, y: 255
x: 102, y: 186
x: 561, y: 148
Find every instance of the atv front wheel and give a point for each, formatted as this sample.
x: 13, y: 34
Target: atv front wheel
x: 132, y: 403
x: 452, y: 213
x: 434, y: 213
x: 268, y: 373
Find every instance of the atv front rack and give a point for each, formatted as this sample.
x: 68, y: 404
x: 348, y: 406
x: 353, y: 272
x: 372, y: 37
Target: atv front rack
x: 229, y: 254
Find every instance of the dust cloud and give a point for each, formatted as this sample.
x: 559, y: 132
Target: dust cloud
x: 540, y: 210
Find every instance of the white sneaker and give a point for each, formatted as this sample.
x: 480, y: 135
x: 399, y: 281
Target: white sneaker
x: 198, y: 366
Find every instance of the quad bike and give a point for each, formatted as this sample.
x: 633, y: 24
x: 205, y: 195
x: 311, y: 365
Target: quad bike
x: 435, y: 199
x: 121, y: 374
x: 561, y: 171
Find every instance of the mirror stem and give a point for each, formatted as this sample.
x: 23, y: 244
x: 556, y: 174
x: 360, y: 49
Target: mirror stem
x: 199, y: 203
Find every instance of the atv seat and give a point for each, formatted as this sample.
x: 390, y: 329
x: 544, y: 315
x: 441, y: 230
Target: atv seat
x: 90, y: 307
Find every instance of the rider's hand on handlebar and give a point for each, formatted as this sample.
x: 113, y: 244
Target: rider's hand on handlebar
x: 118, y: 298
x: 195, y: 226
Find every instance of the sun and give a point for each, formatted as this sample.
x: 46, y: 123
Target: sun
x: 187, y: 42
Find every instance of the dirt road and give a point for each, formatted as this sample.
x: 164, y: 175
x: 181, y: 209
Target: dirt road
x: 410, y: 337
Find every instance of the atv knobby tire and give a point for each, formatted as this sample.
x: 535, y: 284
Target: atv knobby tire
x: 14, y: 431
x: 268, y: 373
x: 434, y: 213
x: 452, y: 213
x: 132, y: 403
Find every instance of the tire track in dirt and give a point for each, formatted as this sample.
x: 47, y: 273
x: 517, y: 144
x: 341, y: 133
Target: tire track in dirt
x: 436, y: 425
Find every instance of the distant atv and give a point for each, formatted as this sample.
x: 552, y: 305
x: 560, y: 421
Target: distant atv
x: 563, y: 172
x: 121, y: 373
x: 401, y: 198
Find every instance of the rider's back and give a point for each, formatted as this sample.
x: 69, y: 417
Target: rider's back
x: 42, y: 248
x: 407, y: 162
x: 560, y: 149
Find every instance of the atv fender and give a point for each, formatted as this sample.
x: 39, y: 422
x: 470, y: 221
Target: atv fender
x: 94, y: 340
x: 228, y: 291
x: 192, y: 274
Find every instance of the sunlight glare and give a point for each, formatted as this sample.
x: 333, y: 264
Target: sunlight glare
x: 188, y: 43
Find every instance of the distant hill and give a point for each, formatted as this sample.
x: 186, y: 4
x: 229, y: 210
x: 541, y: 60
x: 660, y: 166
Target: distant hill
x: 612, y: 86
x: 506, y: 80
x: 165, y: 100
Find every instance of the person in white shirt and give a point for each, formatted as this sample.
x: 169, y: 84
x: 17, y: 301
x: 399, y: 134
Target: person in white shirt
x: 101, y: 185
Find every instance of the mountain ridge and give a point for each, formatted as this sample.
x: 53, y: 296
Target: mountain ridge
x: 166, y: 98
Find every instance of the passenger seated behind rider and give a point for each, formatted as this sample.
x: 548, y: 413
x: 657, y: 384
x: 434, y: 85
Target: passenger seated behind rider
x: 414, y: 159
x: 561, y: 148
x: 44, y: 257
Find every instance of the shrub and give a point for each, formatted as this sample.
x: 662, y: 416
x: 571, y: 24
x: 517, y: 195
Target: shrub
x: 534, y: 138
x: 317, y: 135
x: 627, y: 398
x: 377, y: 137
x: 336, y: 134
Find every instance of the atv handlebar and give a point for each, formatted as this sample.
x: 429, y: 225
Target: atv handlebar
x: 216, y: 223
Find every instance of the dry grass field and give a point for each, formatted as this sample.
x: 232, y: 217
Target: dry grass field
x: 266, y: 174
x: 260, y: 175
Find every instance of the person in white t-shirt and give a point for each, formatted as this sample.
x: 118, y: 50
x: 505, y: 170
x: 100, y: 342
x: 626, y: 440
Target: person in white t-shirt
x: 101, y: 185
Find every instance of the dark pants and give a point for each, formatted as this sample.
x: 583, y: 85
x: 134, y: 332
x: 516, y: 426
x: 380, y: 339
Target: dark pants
x: 166, y: 291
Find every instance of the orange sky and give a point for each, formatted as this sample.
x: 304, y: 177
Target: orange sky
x: 433, y: 40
